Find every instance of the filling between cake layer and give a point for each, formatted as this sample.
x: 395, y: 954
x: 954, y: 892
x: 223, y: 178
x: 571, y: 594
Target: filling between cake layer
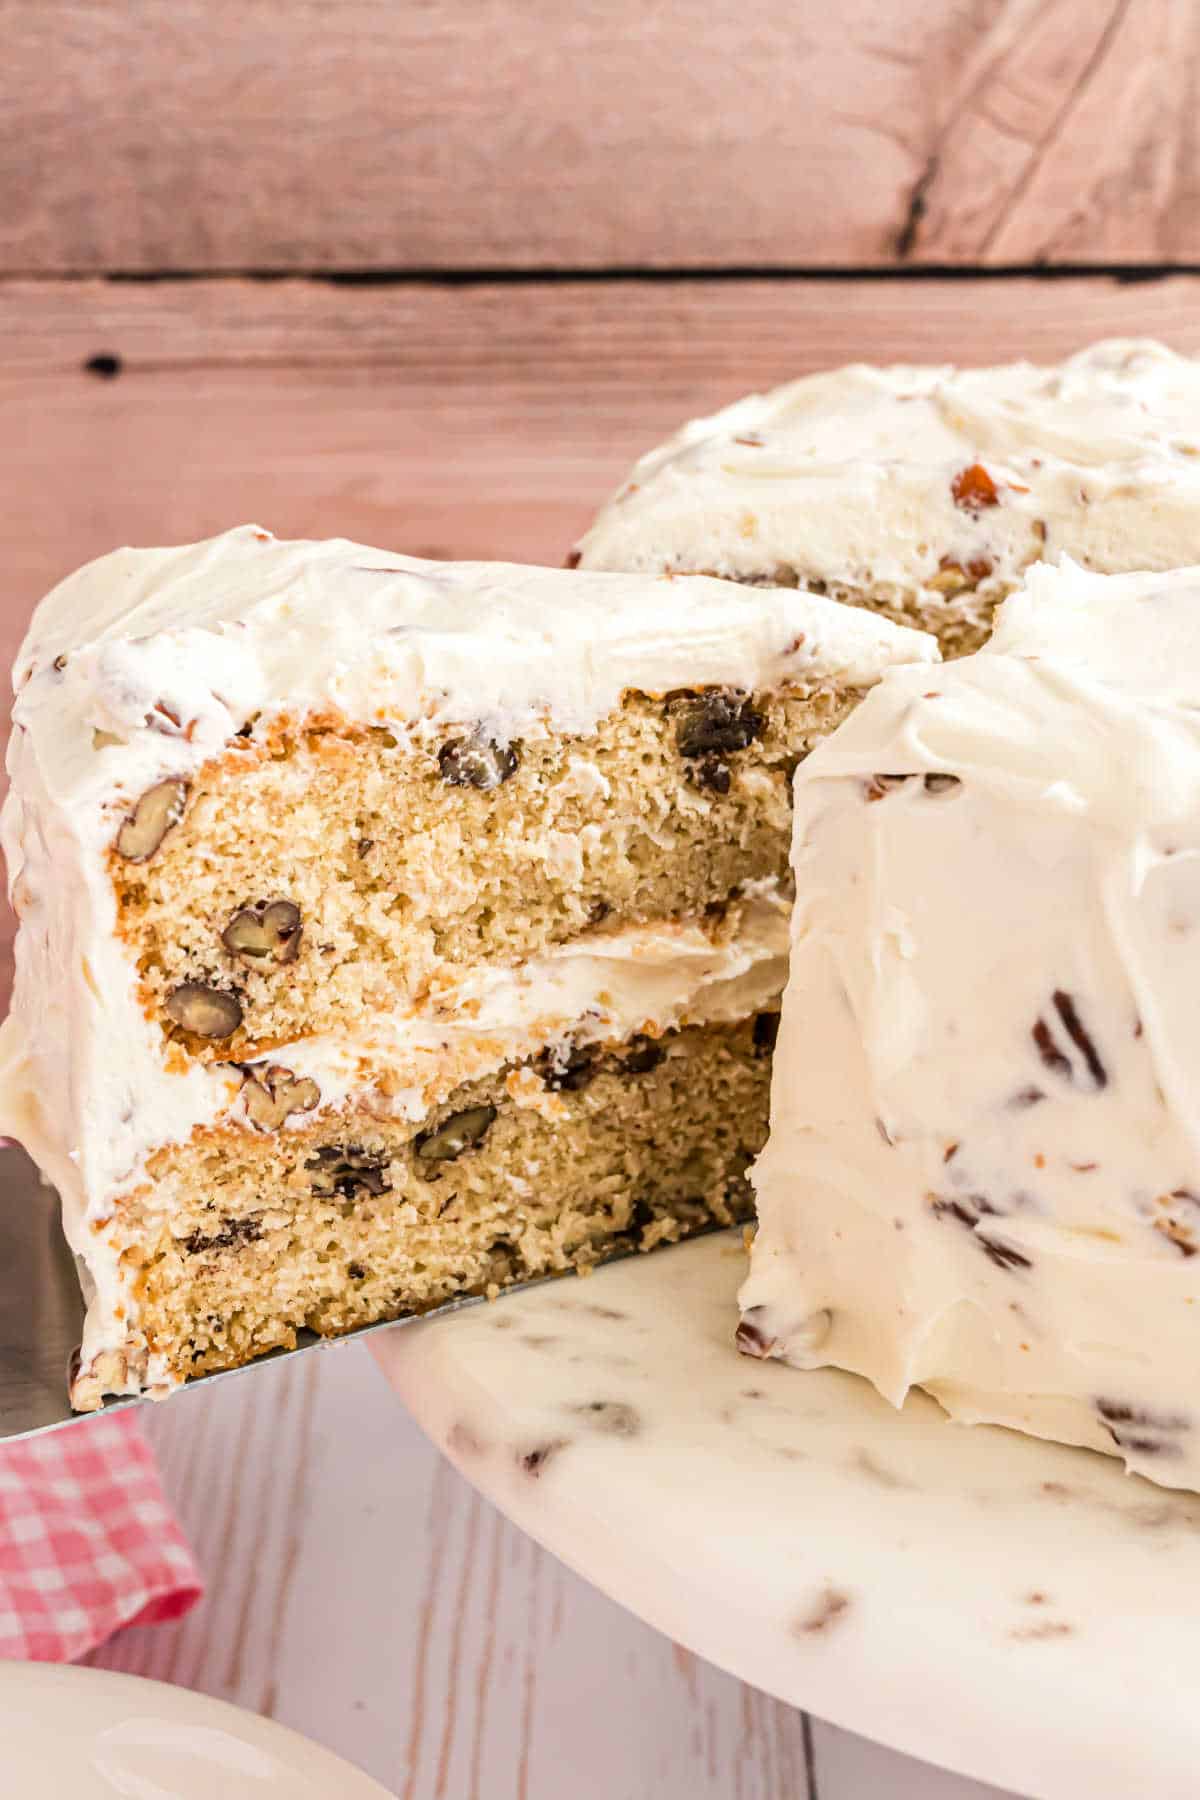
x: 327, y: 874
x: 552, y: 1026
x: 239, y: 1241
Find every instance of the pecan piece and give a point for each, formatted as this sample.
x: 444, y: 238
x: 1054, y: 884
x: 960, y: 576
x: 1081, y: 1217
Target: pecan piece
x: 973, y: 489
x: 159, y: 808
x: 568, y: 1067
x: 341, y: 1169
x: 268, y: 931
x: 207, y: 1011
x: 880, y: 786
x: 232, y: 1234
x: 716, y: 723
x: 1050, y: 1052
x: 956, y: 578
x: 753, y: 1337
x: 644, y: 1055
x: 272, y: 1094
x: 461, y: 1131
x: 477, y: 761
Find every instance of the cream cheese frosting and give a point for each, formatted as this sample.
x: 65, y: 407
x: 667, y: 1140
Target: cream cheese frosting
x: 983, y: 1175
x: 853, y: 478
x: 143, y: 666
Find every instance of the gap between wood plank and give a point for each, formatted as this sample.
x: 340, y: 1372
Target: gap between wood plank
x: 508, y: 277
x: 810, y: 1760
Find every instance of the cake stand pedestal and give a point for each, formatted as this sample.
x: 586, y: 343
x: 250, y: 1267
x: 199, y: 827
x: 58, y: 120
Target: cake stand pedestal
x: 1017, y: 1611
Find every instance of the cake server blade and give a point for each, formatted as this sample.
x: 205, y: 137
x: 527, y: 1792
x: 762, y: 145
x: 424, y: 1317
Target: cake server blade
x: 41, y: 1310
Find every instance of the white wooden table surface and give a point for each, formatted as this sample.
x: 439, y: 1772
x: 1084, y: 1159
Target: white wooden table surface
x: 359, y: 1590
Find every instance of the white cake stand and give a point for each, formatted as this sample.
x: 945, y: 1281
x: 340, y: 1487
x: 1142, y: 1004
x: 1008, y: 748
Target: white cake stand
x: 1016, y: 1611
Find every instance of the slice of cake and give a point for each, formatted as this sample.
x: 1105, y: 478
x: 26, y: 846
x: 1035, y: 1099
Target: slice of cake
x: 983, y: 1175
x: 924, y: 493
x: 394, y: 930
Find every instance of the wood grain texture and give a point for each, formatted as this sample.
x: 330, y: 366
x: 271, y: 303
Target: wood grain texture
x: 292, y: 134
x: 1070, y: 138
x: 361, y: 1592
x: 478, y: 420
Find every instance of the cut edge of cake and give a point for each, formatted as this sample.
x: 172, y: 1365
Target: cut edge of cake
x: 232, y: 1175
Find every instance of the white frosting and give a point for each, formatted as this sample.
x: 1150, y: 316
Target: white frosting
x: 847, y: 476
x: 143, y: 665
x: 983, y: 1176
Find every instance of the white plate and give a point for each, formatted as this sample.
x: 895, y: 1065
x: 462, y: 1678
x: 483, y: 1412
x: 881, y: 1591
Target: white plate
x: 1017, y: 1611
x: 84, y: 1734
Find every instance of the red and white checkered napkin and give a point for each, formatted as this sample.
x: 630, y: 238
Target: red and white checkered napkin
x: 87, y: 1542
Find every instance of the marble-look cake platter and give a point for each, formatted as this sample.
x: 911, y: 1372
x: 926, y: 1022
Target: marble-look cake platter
x: 1017, y: 1611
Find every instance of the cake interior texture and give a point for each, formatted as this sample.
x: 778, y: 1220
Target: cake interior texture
x: 539, y: 1168
x: 405, y: 884
x: 956, y: 604
x: 391, y: 867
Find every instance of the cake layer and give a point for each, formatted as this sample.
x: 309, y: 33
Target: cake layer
x: 391, y: 874
x: 236, y: 1241
x: 983, y: 1176
x: 924, y: 492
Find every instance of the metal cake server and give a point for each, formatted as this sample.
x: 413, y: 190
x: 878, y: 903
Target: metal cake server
x: 41, y: 1310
